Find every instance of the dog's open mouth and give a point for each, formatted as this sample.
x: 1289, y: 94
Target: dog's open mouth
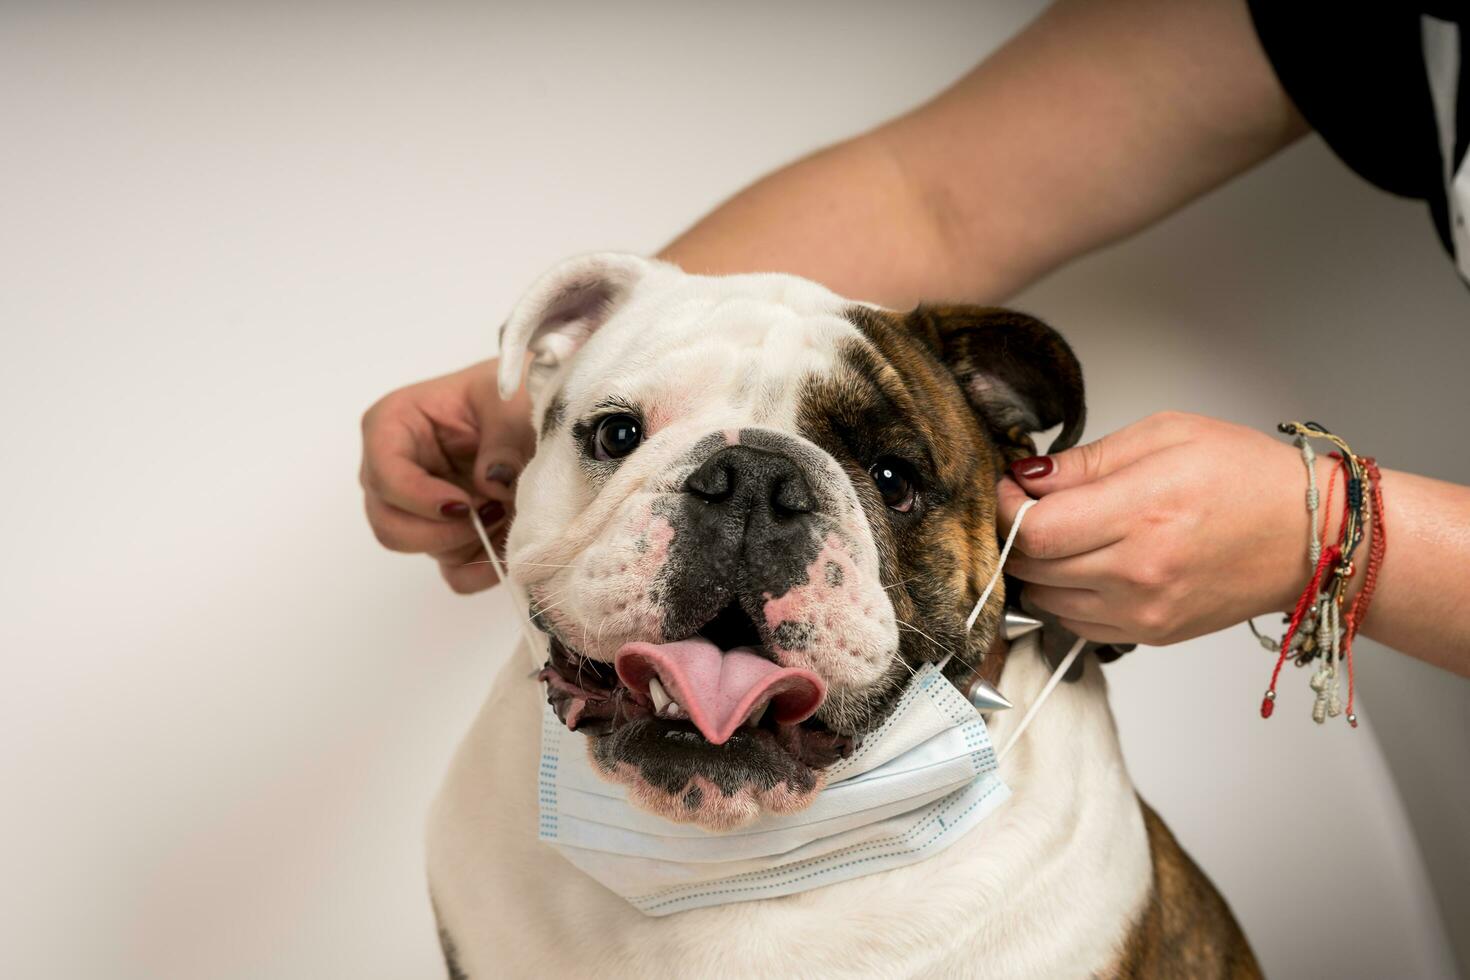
x: 708, y: 729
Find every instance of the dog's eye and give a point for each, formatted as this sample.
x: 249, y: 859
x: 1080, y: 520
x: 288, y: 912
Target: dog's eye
x: 616, y: 436
x: 895, y: 481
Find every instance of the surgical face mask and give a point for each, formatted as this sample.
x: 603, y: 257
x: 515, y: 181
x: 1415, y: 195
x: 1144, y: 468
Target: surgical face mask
x: 915, y: 785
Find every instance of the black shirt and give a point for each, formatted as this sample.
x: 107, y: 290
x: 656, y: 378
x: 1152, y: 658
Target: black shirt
x: 1386, y: 86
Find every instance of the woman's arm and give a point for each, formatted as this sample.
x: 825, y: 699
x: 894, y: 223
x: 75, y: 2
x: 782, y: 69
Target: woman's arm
x: 1180, y: 525
x: 1097, y: 120
x: 1422, y: 606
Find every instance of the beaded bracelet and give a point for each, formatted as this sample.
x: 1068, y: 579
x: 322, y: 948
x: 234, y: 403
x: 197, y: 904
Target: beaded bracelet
x: 1318, y: 628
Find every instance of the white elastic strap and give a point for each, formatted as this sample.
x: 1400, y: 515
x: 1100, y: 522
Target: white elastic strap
x: 529, y: 632
x: 1005, y: 552
x: 1056, y: 676
x: 1051, y: 685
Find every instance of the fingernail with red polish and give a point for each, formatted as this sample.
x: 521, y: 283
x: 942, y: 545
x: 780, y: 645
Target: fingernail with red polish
x: 501, y: 473
x: 1032, y: 467
x: 454, y: 508
x: 491, y: 512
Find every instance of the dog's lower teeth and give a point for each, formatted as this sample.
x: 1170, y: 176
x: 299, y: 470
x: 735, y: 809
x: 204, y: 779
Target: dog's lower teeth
x: 661, y: 699
x: 756, y: 715
x: 663, y: 705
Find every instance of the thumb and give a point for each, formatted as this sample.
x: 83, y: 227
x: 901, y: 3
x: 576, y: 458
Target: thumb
x: 1008, y: 500
x: 507, y: 442
x: 1041, y: 475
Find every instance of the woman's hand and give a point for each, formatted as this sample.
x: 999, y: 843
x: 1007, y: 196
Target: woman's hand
x: 1170, y: 528
x: 432, y: 451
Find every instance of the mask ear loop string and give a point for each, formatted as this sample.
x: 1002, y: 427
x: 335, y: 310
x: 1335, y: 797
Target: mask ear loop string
x: 533, y: 644
x: 1067, y: 661
x: 1005, y: 552
x: 1051, y: 685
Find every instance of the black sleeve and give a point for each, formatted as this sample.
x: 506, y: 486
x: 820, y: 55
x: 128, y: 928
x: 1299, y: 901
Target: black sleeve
x: 1356, y: 72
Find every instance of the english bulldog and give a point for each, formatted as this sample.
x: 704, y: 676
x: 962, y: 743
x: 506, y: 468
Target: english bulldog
x: 754, y: 509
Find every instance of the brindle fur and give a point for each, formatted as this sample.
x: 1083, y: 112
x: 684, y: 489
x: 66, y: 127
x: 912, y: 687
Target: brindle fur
x: 1020, y: 374
x: 924, y: 386
x: 902, y: 391
x: 1187, y: 929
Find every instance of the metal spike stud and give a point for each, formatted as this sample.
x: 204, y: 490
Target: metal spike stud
x: 1017, y: 624
x: 984, y: 696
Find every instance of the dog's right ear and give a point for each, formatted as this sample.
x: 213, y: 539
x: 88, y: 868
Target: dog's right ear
x: 561, y: 310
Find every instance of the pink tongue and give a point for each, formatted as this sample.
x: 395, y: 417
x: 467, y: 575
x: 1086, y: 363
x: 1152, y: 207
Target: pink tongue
x: 719, y: 688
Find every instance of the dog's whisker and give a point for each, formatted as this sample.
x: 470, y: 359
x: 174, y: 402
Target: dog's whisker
x: 939, y: 646
x: 601, y: 623
x: 543, y: 608
x: 554, y: 594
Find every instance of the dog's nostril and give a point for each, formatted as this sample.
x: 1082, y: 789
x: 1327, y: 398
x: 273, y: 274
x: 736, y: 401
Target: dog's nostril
x: 753, y: 479
x: 792, y: 497
x: 711, y: 483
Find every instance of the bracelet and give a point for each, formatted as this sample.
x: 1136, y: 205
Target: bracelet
x: 1318, y: 628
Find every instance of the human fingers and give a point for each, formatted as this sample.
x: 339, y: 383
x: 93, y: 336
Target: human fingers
x: 1089, y: 570
x: 507, y: 441
x: 1091, y: 461
x: 397, y: 451
x: 1071, y: 522
x: 1101, y: 633
x: 469, y: 577
x: 398, y: 530
x: 1009, y: 498
x: 467, y: 569
x: 1085, y: 605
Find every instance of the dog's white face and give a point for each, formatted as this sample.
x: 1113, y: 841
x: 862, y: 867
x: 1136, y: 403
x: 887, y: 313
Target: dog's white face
x: 754, y: 508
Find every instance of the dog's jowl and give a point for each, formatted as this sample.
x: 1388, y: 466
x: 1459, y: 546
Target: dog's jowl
x: 754, y: 511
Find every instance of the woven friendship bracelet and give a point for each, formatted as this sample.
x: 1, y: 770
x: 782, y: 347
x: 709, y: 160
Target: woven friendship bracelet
x: 1318, y: 628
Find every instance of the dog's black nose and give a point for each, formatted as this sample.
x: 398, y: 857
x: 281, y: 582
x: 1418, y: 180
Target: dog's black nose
x: 748, y: 526
x: 754, y: 483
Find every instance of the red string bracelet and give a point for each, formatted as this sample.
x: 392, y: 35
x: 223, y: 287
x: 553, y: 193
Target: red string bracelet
x: 1268, y: 703
x: 1359, y: 610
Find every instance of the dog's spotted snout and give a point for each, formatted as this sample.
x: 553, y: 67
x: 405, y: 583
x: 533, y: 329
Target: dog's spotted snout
x: 750, y: 521
x: 752, y: 484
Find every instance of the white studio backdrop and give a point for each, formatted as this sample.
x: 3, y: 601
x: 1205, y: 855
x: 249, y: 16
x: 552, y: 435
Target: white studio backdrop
x: 225, y: 229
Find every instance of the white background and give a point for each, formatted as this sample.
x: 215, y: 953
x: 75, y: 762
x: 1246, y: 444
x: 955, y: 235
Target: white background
x: 226, y: 229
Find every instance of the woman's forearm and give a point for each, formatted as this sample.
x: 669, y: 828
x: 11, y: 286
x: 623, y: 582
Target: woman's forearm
x: 848, y: 217
x: 1098, y: 119
x: 1422, y: 603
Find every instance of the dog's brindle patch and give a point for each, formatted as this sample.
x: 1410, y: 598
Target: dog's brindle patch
x: 908, y: 389
x: 1186, y: 929
x: 1020, y: 375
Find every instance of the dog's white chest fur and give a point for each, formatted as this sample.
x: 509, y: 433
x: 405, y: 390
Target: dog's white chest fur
x: 1048, y: 885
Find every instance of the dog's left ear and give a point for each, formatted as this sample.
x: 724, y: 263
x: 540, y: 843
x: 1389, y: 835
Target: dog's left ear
x: 562, y: 310
x: 1019, y: 375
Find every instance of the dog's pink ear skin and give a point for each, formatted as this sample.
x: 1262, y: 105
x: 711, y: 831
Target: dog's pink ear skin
x: 561, y: 310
